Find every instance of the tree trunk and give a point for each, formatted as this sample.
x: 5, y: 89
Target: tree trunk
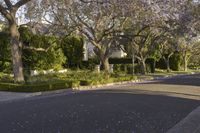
x: 166, y: 59
x: 154, y: 66
x: 185, y: 63
x: 133, y: 62
x: 143, y: 67
x: 16, y: 53
x: 105, y: 64
x: 168, y: 65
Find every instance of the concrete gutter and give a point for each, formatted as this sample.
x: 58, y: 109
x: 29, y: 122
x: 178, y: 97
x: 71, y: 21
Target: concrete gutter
x: 190, y: 124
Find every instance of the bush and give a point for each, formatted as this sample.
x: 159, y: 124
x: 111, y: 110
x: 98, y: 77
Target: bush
x: 6, y: 78
x: 90, y: 64
x: 72, y: 47
x: 175, y: 62
x: 89, y: 82
x: 128, y: 68
x: 137, y: 69
x: 126, y: 78
x: 5, y: 53
x: 117, y: 68
x: 53, y: 58
x: 38, y: 87
x: 151, y: 65
x: 120, y: 60
x: 161, y: 64
x: 70, y: 79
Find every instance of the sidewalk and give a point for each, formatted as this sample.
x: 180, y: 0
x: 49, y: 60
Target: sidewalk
x: 190, y: 124
x: 9, y: 96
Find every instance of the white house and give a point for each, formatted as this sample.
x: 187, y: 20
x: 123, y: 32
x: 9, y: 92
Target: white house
x: 89, y: 51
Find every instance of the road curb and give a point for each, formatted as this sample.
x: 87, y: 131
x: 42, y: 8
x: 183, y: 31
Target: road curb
x: 190, y: 124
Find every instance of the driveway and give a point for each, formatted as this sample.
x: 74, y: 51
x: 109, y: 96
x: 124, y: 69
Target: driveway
x: 152, y: 107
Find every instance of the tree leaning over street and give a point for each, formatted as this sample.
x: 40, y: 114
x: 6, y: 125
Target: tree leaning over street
x: 8, y: 11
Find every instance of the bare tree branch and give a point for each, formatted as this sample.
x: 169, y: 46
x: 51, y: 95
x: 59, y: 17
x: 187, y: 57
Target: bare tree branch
x: 21, y: 3
x: 8, y: 3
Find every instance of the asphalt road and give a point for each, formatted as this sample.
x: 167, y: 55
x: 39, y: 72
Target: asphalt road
x: 119, y: 110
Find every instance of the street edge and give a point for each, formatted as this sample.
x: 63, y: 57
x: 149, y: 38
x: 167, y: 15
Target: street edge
x: 190, y: 124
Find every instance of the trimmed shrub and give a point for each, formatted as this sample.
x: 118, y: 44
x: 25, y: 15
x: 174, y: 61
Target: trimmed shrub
x: 72, y: 47
x: 90, y: 64
x: 161, y: 64
x: 175, y: 61
x: 38, y: 87
x: 151, y: 65
x: 120, y: 60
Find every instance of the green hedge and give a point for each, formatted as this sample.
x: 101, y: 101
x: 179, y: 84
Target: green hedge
x: 38, y: 87
x: 120, y: 60
x: 105, y: 81
x: 62, y: 84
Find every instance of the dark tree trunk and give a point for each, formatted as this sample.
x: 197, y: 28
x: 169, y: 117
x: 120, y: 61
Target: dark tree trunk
x: 16, y: 53
x: 104, y: 59
x: 105, y: 64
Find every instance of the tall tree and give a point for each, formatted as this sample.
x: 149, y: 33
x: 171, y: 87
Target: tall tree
x: 167, y: 47
x: 8, y: 9
x: 143, y: 31
x: 99, y: 22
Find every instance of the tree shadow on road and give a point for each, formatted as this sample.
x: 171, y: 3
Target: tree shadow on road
x: 191, y: 80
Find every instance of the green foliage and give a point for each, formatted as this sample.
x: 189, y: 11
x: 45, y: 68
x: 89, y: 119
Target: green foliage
x: 90, y: 64
x: 120, y: 60
x: 52, y: 58
x: 6, y: 78
x: 128, y: 68
x: 73, y: 50
x: 175, y: 62
x: 70, y: 79
x: 25, y: 35
x: 121, y: 68
x: 5, y: 53
x: 37, y: 87
x: 151, y: 64
x: 138, y: 69
x: 161, y: 64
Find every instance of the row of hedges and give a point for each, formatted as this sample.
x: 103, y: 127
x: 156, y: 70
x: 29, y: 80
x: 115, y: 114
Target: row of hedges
x: 125, y: 64
x: 105, y: 81
x: 59, y: 85
x: 38, y: 87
